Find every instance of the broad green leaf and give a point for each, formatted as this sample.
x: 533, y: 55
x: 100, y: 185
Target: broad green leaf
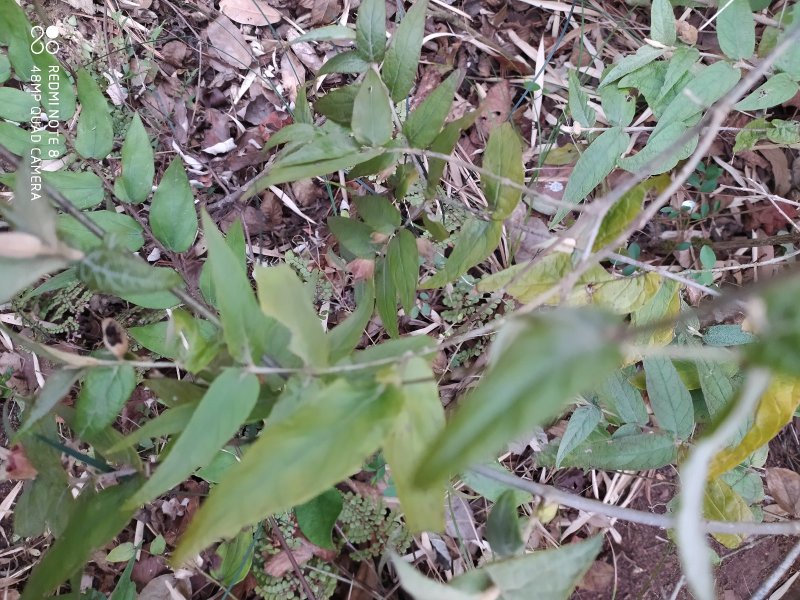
x: 503, y: 158
x: 597, y: 161
x: 747, y: 483
x: 426, y: 120
x: 558, y: 355
x: 474, y: 243
x: 618, y: 104
x: 424, y: 588
x: 105, y: 391
x: 727, y: 335
x: 722, y: 503
x: 583, y: 421
x: 711, y: 84
x: 20, y: 141
x: 172, y: 392
x: 138, y: 168
x: 234, y: 239
x: 666, y: 304
x: 671, y: 401
x: 346, y: 335
x: 386, y: 297
x: 402, y: 261
x: 382, y: 162
x: 372, y: 110
x: 623, y: 399
x: 552, y: 573
x: 444, y: 144
x: 775, y: 409
x: 344, y: 62
x: 110, y: 271
x: 122, y: 553
x: 683, y: 59
x: 283, y: 297
x: 750, y: 134
x: 491, y: 489
x: 635, y: 452
x: 378, y: 212
x: 789, y: 61
x: 420, y: 420
x: 354, y: 236
x: 619, y: 216
x: 579, y: 107
x: 337, y: 104
x: 346, y: 425
x: 84, y: 189
x: 317, y: 517
x: 662, y: 22
x: 296, y: 133
x: 173, y: 218
x: 16, y: 105
x: 774, y: 91
x: 97, y: 518
x: 402, y: 56
x: 20, y: 273
x: 284, y: 173
x: 124, y: 229
x: 248, y: 333
x: 190, y: 341
x: 643, y: 56
x: 218, y: 416
x: 736, y: 29
x: 302, y: 111
x: 329, y: 33
x: 371, y: 30
x: 5, y: 68
x: 503, y: 527
x: 222, y: 462
x: 58, y: 385
x: 784, y: 132
x: 95, y: 131
x: 660, y: 154
x: 237, y: 558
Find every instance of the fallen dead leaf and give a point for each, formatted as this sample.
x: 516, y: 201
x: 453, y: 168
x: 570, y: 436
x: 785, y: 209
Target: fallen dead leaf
x: 780, y: 169
x: 495, y: 108
x: 250, y: 12
x: 687, y: 32
x: 361, y: 268
x: 599, y: 578
x: 280, y: 564
x: 166, y: 587
x: 228, y: 43
x: 784, y: 487
x: 18, y: 466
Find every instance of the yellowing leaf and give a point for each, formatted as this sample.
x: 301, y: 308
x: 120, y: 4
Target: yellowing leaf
x: 774, y: 411
x: 722, y: 503
x: 664, y: 304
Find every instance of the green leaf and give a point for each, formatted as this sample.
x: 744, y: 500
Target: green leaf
x: 371, y: 30
x: 662, y: 22
x: 234, y: 239
x: 16, y: 105
x: 122, y: 553
x: 717, y: 386
x: 491, y: 489
x: 660, y: 152
x: 635, y: 452
x: 424, y: 588
x: 774, y: 91
x: 372, y: 111
x: 317, y: 517
x: 168, y: 422
x: 621, y: 214
x: 261, y: 484
x: 105, y: 391
x: 337, y: 104
x: 402, y: 261
x: 424, y: 123
x: 158, y: 545
x: 18, y: 274
x: 582, y: 422
x: 97, y: 518
x: 283, y: 297
x: 727, y: 335
x: 736, y: 29
x: 558, y: 354
x: 683, y: 59
x: 172, y: 215
x: 597, y: 161
x: 789, y: 61
x: 618, y: 104
x: 420, y: 420
x: 402, y: 56
x: 83, y: 189
x: 671, y: 401
x: 125, y: 588
x: 346, y: 335
x: 329, y: 33
x: 107, y: 270
x: 344, y: 62
x: 124, y: 229
x: 579, y: 107
x: 386, y: 297
x: 222, y: 462
x: 750, y: 134
x: 248, y: 333
x: 444, y: 144
x: 190, y: 341
x: 623, y: 399
x: 722, y: 503
x: 784, y: 132
x: 58, y: 385
x: 503, y: 527
x: 354, y: 236
x: 137, y: 163
x: 378, y: 213
x: 218, y: 416
x: 503, y: 158
x: 19, y: 141
x: 95, y: 131
x: 5, y: 68
x: 282, y: 173
x: 707, y: 257
x: 237, y: 558
x: 643, y: 56
x: 473, y: 244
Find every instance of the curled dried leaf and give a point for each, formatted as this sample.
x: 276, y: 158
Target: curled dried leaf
x: 784, y: 487
x: 114, y: 337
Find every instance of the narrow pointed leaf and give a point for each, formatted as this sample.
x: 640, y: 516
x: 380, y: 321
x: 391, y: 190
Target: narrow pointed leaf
x: 402, y: 261
x: 105, y: 391
x: 424, y: 123
x: 372, y: 113
x: 386, y: 297
x: 371, y: 30
x: 736, y: 29
x: 503, y: 158
x: 774, y: 91
x: 662, y: 22
x: 95, y: 131
x: 107, y: 270
x: 579, y: 102
x: 671, y: 401
x: 173, y: 218
x: 402, y: 56
x: 138, y: 168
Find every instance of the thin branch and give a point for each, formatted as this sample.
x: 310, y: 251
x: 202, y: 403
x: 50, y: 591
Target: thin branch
x: 776, y: 575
